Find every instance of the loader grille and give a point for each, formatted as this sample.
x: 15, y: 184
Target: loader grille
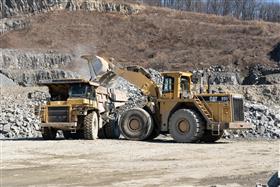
x: 238, y: 110
x: 58, y: 114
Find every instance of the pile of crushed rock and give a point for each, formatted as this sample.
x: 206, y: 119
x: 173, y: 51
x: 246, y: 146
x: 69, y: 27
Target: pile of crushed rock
x: 265, y: 121
x: 17, y: 112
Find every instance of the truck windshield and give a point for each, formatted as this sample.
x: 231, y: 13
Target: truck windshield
x: 78, y: 90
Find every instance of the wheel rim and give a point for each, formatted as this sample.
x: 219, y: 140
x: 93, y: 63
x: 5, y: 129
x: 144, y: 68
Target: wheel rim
x: 183, y: 126
x: 134, y: 125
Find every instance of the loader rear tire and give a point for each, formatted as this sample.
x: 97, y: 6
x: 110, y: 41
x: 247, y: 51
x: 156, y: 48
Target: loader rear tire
x: 49, y: 133
x: 136, y: 124
x: 186, y: 126
x: 91, y: 126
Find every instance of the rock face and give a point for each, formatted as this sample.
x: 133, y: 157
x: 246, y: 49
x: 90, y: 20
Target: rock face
x: 29, y: 67
x: 5, y: 81
x: 216, y: 77
x: 259, y: 74
x: 13, y: 24
x: 19, y: 7
x: 263, y: 94
x: 275, y: 53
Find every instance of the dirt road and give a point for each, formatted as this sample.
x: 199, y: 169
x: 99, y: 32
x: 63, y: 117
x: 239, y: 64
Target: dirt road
x: 128, y: 163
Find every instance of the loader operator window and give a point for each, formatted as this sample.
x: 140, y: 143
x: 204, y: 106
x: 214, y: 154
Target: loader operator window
x: 184, y: 85
x: 168, y: 85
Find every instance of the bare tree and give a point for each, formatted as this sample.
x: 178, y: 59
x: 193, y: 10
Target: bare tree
x: 241, y: 9
x: 227, y: 8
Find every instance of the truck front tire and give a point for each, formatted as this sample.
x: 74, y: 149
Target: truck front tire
x: 136, y: 124
x: 49, y: 133
x: 91, y: 126
x: 75, y: 136
x: 186, y: 126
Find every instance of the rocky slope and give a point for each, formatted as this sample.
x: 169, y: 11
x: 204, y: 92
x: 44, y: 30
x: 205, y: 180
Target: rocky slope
x: 20, y: 7
x: 29, y: 67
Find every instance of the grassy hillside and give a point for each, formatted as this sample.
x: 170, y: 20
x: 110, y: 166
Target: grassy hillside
x: 154, y: 37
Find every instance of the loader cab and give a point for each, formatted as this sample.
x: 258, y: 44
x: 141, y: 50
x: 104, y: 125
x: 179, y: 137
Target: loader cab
x: 176, y: 85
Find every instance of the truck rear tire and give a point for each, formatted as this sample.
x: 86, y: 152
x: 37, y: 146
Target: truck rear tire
x: 186, y: 126
x: 49, y: 133
x: 136, y: 124
x: 101, y: 133
x: 209, y: 138
x: 91, y: 126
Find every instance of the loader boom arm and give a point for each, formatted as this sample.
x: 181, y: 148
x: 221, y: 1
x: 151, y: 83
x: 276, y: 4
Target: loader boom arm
x: 104, y: 71
x: 140, y: 78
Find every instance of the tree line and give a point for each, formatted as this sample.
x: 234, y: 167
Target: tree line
x: 267, y: 10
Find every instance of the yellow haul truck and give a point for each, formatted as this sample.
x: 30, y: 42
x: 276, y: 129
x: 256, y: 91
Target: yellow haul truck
x: 81, y: 109
x: 174, y: 109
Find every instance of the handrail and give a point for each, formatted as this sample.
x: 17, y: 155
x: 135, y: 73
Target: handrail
x: 205, y: 104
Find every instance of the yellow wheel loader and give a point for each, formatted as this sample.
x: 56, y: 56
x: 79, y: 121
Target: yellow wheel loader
x: 174, y: 108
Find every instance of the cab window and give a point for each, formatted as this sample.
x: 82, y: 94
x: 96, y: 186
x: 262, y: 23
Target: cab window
x: 78, y: 90
x: 184, y: 85
x: 82, y: 90
x: 168, y: 85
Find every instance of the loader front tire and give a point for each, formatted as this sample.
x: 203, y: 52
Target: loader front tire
x: 136, y: 124
x: 186, y: 126
x: 112, y: 130
x: 209, y: 138
x: 91, y: 126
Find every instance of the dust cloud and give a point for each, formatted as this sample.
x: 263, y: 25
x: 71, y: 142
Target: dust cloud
x: 80, y: 65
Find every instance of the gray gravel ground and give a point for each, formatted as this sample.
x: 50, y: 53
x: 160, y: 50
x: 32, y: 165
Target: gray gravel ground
x: 123, y: 163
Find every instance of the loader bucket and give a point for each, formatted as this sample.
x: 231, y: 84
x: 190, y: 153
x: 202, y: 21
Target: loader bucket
x: 97, y: 66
